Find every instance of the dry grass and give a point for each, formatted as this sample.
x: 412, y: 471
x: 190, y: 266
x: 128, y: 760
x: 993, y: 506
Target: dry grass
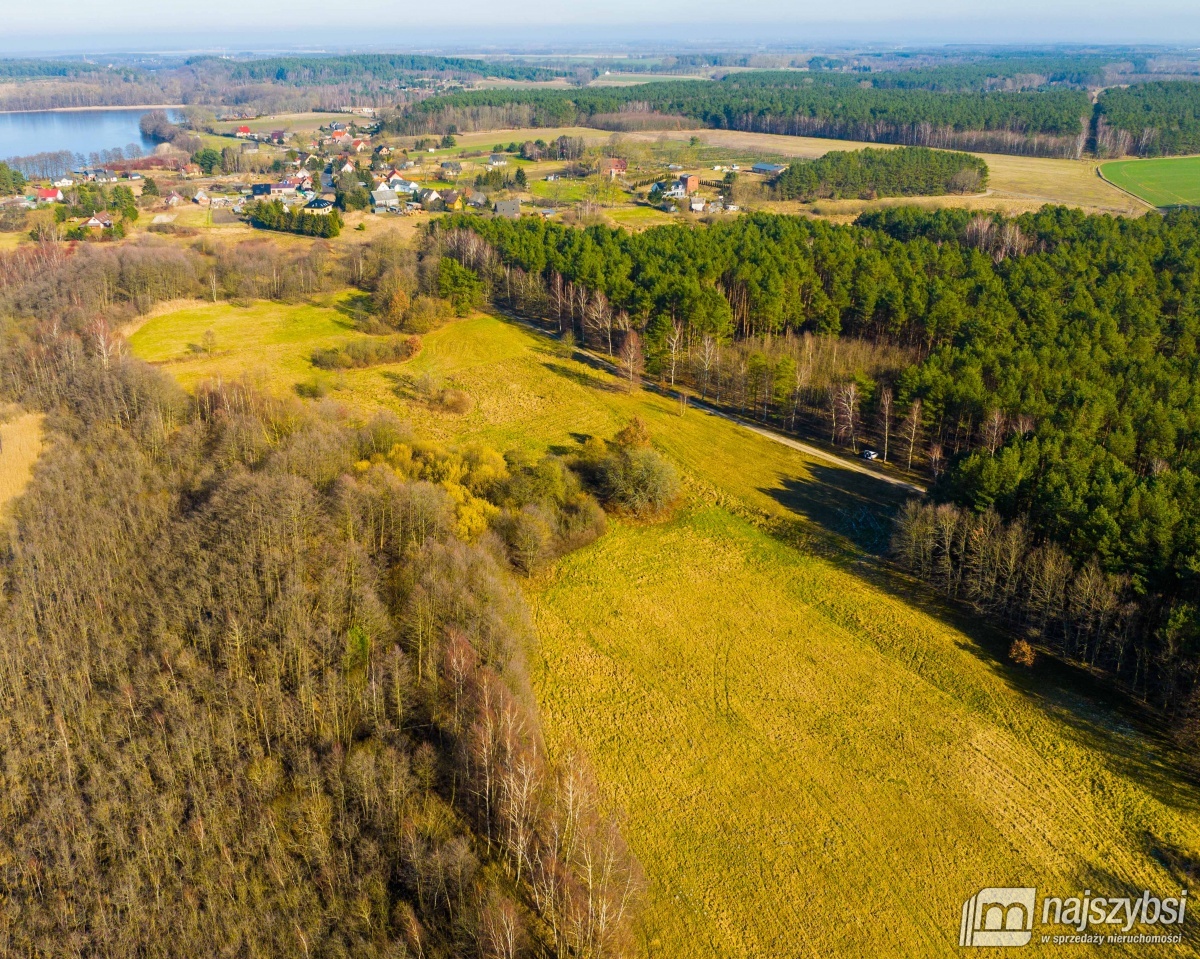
x: 20, y: 446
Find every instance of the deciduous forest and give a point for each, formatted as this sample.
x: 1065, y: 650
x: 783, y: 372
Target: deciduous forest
x: 264, y: 688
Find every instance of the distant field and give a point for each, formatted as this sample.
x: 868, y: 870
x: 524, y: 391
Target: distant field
x: 1171, y: 181
x: 812, y: 758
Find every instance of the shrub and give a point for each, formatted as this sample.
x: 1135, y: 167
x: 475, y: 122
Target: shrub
x: 425, y: 313
x: 639, y: 480
x: 1022, y: 653
x: 359, y: 354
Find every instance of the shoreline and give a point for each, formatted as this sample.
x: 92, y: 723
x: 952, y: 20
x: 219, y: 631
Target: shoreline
x: 144, y: 106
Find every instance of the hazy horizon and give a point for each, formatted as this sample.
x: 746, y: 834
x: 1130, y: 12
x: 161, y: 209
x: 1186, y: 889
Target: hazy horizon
x: 142, y: 26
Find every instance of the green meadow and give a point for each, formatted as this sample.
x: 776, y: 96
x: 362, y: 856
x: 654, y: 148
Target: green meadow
x: 811, y: 755
x: 1170, y: 181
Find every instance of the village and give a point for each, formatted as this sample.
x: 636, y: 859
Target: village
x: 346, y: 164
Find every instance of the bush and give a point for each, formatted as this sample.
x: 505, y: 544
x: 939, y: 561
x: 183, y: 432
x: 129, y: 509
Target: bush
x: 1022, y: 653
x: 425, y: 313
x: 639, y: 480
x: 359, y: 354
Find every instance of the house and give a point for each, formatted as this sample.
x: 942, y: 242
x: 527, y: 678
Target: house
x: 689, y: 183
x: 335, y: 126
x: 242, y: 131
x: 190, y: 170
x: 260, y: 189
x: 768, y: 169
x: 696, y: 205
x: 319, y: 206
x: 613, y: 167
x: 201, y: 198
x: 477, y: 200
x: 66, y: 183
x: 510, y: 209
x: 52, y: 195
x: 357, y: 146
x: 671, y: 190
x: 106, y: 176
x: 383, y: 150
x: 282, y: 189
x: 134, y: 175
x: 346, y: 167
x: 172, y: 199
x: 452, y: 200
x: 497, y: 159
x: 278, y: 136
x: 102, y: 220
x: 430, y: 199
x: 453, y: 167
x: 384, y: 199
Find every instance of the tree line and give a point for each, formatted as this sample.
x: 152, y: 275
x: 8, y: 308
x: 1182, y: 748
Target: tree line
x: 904, y: 171
x: 1044, y: 366
x: 273, y: 698
x: 1050, y: 122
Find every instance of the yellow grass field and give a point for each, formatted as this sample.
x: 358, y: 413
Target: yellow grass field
x: 20, y: 446
x: 1017, y: 184
x: 812, y: 756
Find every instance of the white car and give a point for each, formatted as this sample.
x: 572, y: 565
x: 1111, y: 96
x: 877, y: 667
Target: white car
x: 870, y: 455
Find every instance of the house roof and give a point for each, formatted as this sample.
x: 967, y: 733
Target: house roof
x: 49, y: 194
x: 508, y: 207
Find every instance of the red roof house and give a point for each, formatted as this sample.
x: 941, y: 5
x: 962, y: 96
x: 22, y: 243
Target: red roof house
x: 52, y: 195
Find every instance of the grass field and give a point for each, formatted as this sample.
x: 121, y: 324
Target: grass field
x: 20, y: 446
x: 1171, y: 181
x: 813, y: 758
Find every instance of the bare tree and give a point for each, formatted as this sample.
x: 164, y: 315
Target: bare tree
x: 632, y: 361
x: 936, y: 459
x: 993, y: 431
x: 885, y: 417
x: 710, y: 354
x: 846, y: 402
x: 912, y: 428
x: 674, y: 342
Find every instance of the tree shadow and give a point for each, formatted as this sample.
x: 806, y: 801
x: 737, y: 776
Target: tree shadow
x: 851, y: 505
x: 1128, y: 736
x: 579, y: 377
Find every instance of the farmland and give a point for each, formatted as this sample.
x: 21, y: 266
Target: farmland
x: 812, y: 756
x: 1172, y: 181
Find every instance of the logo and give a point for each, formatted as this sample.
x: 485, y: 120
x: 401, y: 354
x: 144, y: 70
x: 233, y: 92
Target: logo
x: 998, y: 917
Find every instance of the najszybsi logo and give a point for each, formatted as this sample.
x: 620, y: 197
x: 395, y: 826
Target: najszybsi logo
x: 999, y: 916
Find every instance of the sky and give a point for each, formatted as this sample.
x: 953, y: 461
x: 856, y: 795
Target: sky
x: 261, y: 25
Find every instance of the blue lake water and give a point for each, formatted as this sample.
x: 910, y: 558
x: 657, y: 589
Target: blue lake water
x: 80, y: 131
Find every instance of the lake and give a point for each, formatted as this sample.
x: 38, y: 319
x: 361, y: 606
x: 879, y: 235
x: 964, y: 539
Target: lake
x: 80, y: 131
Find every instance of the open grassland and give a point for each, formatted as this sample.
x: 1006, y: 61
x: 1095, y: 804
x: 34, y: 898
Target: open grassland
x: 291, y: 122
x: 266, y: 343
x: 813, y: 758
x: 1170, y: 181
x: 1017, y: 184
x: 20, y: 446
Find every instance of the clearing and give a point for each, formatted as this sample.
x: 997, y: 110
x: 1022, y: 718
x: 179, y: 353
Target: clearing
x: 1166, y: 182
x: 813, y: 757
x: 20, y: 446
